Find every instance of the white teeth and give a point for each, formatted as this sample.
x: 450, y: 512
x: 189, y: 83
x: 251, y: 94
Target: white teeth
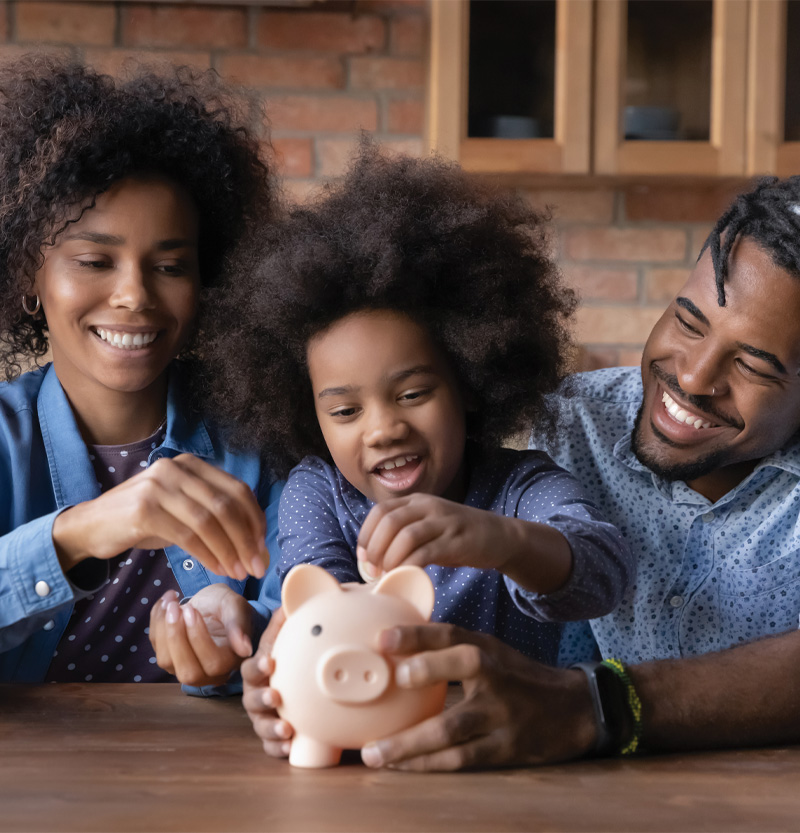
x: 396, y: 463
x: 681, y: 415
x: 126, y: 341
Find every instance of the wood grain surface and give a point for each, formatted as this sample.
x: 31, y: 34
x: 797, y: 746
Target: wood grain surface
x: 93, y: 757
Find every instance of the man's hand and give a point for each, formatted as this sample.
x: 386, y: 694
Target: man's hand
x: 514, y: 712
x: 205, y: 640
x: 259, y: 700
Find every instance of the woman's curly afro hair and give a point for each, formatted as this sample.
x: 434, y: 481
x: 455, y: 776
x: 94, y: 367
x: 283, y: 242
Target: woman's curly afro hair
x: 416, y: 236
x: 67, y: 133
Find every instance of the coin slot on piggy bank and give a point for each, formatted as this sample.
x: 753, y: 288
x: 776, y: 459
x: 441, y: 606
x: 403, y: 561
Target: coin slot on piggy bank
x: 336, y: 689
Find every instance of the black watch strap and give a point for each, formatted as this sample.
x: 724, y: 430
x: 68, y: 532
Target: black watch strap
x: 611, y: 709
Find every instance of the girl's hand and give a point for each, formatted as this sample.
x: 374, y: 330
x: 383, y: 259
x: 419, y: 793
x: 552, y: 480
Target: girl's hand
x: 259, y: 700
x: 423, y: 529
x: 514, y: 711
x: 205, y: 640
x: 183, y: 501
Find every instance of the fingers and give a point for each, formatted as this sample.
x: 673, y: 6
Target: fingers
x: 223, y: 522
x: 412, y: 639
x: 452, y: 740
x: 272, y: 630
x: 261, y: 703
x: 185, y: 647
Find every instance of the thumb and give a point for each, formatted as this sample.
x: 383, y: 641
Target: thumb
x: 235, y: 614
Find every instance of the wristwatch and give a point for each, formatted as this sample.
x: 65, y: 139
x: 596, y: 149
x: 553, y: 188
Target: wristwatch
x: 611, y: 709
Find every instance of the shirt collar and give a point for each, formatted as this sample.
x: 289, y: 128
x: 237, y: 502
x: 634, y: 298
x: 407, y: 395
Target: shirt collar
x: 186, y: 431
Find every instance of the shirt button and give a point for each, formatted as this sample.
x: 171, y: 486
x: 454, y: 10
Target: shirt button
x: 42, y: 588
x: 708, y: 517
x: 676, y: 601
x: 49, y: 626
x: 157, y: 456
x: 188, y: 564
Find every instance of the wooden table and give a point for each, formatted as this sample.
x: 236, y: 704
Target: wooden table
x: 95, y: 757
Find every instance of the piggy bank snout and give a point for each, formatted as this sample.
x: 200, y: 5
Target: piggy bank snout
x: 353, y: 674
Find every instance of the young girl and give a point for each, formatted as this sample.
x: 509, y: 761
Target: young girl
x: 119, y: 203
x: 392, y: 336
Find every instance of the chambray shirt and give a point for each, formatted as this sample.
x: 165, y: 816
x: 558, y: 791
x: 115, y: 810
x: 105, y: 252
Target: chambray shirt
x: 321, y: 514
x: 45, y: 468
x: 710, y: 575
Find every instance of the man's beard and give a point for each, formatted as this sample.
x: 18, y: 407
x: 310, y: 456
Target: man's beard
x: 677, y: 471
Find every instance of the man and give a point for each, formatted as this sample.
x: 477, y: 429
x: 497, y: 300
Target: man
x: 697, y: 460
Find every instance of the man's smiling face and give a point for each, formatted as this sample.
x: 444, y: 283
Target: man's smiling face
x: 721, y: 384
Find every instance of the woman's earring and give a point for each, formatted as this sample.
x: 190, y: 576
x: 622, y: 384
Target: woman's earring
x: 35, y: 309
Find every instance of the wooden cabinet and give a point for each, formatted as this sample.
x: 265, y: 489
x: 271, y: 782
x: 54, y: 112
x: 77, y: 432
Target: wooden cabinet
x: 712, y: 71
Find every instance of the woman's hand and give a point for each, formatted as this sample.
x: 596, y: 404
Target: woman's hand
x: 183, y: 501
x: 259, y: 700
x: 514, y: 711
x: 205, y: 640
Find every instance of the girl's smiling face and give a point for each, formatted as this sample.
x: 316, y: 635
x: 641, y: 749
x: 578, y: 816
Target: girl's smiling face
x: 119, y: 289
x: 389, y: 406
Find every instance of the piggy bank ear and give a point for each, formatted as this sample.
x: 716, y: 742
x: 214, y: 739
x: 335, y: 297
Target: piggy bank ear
x: 303, y: 582
x: 410, y: 583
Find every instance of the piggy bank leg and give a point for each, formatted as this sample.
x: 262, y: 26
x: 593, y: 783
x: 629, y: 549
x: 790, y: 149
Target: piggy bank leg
x: 312, y: 754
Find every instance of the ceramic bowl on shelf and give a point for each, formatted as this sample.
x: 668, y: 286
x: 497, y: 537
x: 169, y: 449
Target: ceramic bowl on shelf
x: 651, y: 123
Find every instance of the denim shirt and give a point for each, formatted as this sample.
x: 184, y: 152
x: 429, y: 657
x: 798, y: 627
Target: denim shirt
x: 44, y: 469
x: 710, y: 575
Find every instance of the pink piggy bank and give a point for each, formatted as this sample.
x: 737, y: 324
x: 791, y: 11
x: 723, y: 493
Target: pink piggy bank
x: 336, y: 690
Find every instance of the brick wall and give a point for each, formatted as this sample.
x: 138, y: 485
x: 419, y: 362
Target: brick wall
x: 330, y: 69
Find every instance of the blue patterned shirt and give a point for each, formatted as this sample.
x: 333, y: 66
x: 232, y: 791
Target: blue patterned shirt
x: 321, y: 514
x: 710, y: 575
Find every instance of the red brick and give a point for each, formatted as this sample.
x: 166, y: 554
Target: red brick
x: 335, y: 154
x: 602, y: 284
x: 12, y: 51
x: 661, y: 285
x: 209, y: 27
x: 629, y: 358
x: 368, y: 73
x: 283, y: 71
x: 115, y: 61
x: 299, y: 191
x: 575, y: 205
x: 407, y: 36
x: 321, y: 31
x: 679, y: 203
x: 651, y: 245
x: 405, y: 115
x: 698, y: 238
x: 593, y: 358
x: 333, y: 114
x: 615, y: 324
x: 294, y: 156
x: 72, y: 23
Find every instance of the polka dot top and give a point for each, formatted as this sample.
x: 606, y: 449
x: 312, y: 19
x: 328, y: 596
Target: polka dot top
x: 321, y: 514
x: 106, y: 639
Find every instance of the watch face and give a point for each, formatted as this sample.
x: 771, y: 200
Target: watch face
x: 613, y: 702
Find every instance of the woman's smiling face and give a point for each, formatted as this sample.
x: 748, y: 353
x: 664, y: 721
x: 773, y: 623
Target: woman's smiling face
x: 119, y: 288
x: 389, y: 406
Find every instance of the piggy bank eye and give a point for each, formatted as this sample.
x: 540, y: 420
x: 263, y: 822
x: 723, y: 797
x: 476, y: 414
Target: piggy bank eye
x: 316, y: 630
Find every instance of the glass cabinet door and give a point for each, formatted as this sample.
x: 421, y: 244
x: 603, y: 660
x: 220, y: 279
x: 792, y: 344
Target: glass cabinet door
x: 511, y: 84
x: 669, y: 86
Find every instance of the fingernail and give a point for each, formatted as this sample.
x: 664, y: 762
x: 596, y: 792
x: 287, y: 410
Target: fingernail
x: 389, y: 640
x: 267, y: 699
x: 361, y: 553
x: 371, y: 755
x: 263, y: 664
x: 286, y: 748
x: 257, y: 567
x: 189, y: 616
x: 173, y: 613
x: 239, y: 571
x: 282, y: 730
x: 403, y: 675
